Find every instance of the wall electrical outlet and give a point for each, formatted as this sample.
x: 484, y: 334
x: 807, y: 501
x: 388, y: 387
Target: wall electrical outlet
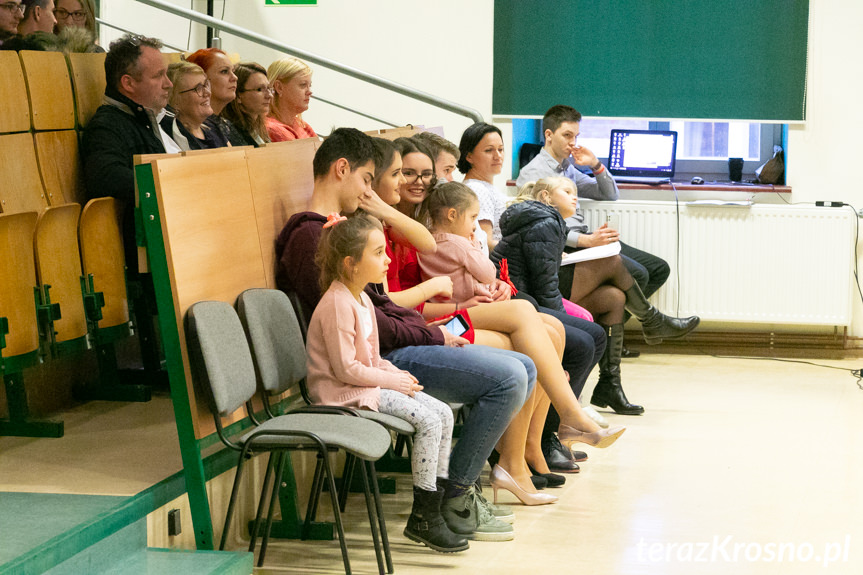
x: 174, y: 525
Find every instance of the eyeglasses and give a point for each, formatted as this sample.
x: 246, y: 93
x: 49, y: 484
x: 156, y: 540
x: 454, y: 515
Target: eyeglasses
x: 262, y: 90
x: 77, y: 15
x: 411, y: 176
x: 11, y: 7
x: 201, y: 89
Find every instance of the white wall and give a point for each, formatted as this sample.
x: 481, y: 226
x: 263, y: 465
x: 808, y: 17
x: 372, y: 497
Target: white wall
x: 445, y: 47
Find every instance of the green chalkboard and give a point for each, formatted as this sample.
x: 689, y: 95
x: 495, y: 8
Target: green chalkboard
x: 694, y: 59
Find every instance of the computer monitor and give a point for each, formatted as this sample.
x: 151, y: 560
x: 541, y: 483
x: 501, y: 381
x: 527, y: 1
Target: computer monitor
x: 642, y: 153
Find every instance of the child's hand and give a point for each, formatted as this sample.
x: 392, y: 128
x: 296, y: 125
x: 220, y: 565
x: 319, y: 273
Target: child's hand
x: 408, y: 384
x: 442, y: 286
x: 501, y: 291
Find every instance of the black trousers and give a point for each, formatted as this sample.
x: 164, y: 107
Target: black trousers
x: 649, y: 271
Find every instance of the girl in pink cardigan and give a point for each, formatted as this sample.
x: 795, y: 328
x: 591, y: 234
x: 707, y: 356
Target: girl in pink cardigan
x: 345, y: 366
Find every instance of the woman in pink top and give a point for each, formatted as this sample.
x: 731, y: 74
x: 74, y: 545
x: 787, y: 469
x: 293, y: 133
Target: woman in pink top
x: 291, y: 80
x: 345, y: 367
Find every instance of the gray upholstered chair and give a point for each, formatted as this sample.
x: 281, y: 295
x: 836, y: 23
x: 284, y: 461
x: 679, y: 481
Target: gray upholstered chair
x: 279, y: 354
x: 223, y: 363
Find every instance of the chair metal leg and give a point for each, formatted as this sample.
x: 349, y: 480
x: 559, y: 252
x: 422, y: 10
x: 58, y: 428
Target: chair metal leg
x: 314, y: 498
x: 347, y: 478
x: 328, y: 469
x: 373, y: 477
x: 371, y: 507
x: 273, y: 496
x: 256, y: 527
x: 234, y: 491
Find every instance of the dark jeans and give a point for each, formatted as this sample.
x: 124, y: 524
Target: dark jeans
x: 648, y: 270
x: 494, y: 383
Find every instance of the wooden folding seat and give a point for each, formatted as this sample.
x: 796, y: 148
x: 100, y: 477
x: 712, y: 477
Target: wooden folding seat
x: 50, y: 89
x: 15, y: 108
x: 282, y: 181
x: 60, y: 166
x: 105, y: 297
x: 19, y: 332
x: 58, y: 271
x: 22, y: 189
x: 88, y: 82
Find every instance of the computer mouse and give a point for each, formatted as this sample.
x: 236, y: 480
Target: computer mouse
x: 697, y: 181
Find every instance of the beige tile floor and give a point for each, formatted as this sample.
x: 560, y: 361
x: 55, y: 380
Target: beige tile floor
x: 761, y: 455
x: 754, y: 454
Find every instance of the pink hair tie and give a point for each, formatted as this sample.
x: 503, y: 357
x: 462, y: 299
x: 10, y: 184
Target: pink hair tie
x: 333, y: 219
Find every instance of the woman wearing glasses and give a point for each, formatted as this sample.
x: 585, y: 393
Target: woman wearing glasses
x: 248, y: 112
x: 189, y: 107
x: 77, y: 14
x: 292, y: 87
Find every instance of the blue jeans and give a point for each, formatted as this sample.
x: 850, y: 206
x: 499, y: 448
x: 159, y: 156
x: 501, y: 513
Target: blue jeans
x: 493, y: 382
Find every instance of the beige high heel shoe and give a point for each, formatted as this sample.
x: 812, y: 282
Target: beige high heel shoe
x: 602, y: 438
x: 500, y: 479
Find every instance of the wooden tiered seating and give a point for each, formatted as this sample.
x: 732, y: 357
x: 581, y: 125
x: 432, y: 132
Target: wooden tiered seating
x: 60, y: 166
x: 50, y: 90
x: 88, y: 81
x: 15, y: 111
x: 18, y: 313
x: 22, y: 189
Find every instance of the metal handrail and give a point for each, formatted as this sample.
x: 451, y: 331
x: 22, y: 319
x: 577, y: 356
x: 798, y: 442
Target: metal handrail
x: 315, y: 59
x: 121, y: 29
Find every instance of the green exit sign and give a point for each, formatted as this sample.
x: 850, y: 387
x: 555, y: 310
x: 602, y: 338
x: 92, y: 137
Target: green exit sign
x: 290, y: 2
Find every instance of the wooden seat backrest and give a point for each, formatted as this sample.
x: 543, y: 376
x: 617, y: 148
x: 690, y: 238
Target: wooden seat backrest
x: 58, y: 264
x: 212, y: 247
x: 15, y: 107
x: 88, y: 81
x: 171, y: 57
x: 101, y: 240
x: 50, y: 90
x: 282, y: 181
x: 60, y: 167
x: 18, y: 274
x: 21, y: 189
x: 393, y: 133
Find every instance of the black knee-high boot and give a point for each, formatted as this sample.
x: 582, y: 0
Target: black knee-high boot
x: 655, y: 324
x: 609, y: 391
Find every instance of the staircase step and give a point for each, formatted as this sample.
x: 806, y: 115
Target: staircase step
x: 160, y: 561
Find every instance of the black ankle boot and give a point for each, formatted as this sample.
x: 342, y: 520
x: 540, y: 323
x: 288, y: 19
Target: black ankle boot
x: 655, y: 325
x: 609, y: 391
x: 426, y: 525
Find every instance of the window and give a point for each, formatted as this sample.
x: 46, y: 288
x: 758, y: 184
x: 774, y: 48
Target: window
x: 703, y: 148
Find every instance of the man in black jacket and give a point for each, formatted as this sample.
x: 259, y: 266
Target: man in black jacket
x: 125, y: 125
x: 137, y: 89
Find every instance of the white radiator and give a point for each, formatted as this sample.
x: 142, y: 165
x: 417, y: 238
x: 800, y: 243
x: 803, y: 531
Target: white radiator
x: 763, y: 263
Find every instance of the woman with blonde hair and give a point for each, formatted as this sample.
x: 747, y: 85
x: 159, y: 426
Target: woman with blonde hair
x: 248, y: 112
x: 291, y: 80
x: 189, y: 108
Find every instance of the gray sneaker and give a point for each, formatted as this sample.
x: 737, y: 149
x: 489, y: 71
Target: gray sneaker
x: 466, y: 516
x: 500, y: 512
